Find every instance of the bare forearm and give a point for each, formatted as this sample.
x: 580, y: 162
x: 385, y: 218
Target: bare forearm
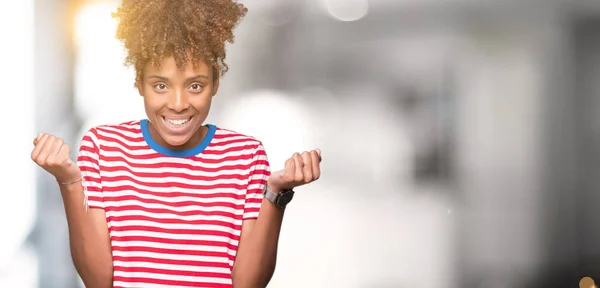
x: 255, y: 261
x: 88, y: 237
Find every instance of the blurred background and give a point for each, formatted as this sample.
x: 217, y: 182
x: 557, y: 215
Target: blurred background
x: 460, y: 138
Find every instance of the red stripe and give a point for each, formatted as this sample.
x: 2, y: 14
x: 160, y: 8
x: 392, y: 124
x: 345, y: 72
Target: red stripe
x: 140, y: 145
x: 174, y: 221
x: 171, y: 261
x: 173, y: 272
x: 176, y: 185
x: 229, y: 167
x: 94, y: 198
x: 170, y: 282
x: 122, y: 127
x: 174, y: 241
x: 235, y: 139
x: 177, y: 204
x: 169, y: 251
x: 161, y: 162
x: 183, y: 176
x: 204, y: 194
x: 109, y: 136
x: 87, y: 159
x: 146, y: 228
x: 168, y: 211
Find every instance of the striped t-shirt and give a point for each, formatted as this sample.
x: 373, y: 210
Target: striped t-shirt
x: 174, y: 216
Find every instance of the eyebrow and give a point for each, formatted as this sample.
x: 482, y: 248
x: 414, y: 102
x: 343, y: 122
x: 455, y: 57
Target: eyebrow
x: 187, y: 80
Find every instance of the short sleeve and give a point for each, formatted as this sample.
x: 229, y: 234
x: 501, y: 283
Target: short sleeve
x: 88, y: 162
x: 259, y: 172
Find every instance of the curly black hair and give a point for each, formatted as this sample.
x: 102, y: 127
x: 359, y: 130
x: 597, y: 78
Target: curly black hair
x: 185, y: 29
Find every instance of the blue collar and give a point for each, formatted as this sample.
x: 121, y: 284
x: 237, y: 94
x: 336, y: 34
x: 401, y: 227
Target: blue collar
x: 173, y: 152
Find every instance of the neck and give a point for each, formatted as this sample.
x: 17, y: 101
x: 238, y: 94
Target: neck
x: 191, y: 143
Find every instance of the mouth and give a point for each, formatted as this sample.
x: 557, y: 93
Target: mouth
x: 176, y: 125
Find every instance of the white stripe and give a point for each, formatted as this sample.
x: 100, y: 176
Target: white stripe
x: 147, y: 285
x: 190, y: 227
x: 109, y: 131
x: 185, y: 161
x: 198, y: 198
x: 252, y: 206
x: 169, y: 246
x: 224, y: 249
x: 173, y: 216
x: 180, y: 257
x: 132, y: 233
x: 173, y: 267
x: 162, y: 179
x: 232, y: 137
x: 119, y: 184
x: 122, y: 165
x: 185, y: 208
x: 222, y: 147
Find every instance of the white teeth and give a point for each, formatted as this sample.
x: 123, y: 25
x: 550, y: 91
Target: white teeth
x: 176, y: 122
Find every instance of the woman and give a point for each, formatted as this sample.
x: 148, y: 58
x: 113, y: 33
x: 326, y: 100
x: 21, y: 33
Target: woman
x: 170, y: 201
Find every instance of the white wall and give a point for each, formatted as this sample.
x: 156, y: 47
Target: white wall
x: 17, y: 172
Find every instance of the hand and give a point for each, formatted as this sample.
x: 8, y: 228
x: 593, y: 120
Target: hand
x: 299, y: 170
x: 52, y: 154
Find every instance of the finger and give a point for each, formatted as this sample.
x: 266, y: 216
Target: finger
x: 290, y: 168
x: 298, y: 175
x: 53, y: 151
x: 45, y: 151
x: 319, y: 154
x: 316, y: 165
x: 307, y: 166
x: 37, y: 139
x: 38, y: 147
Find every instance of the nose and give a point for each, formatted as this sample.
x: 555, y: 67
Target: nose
x: 178, y: 101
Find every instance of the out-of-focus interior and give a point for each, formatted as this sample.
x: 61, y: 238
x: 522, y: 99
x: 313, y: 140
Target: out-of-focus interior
x: 460, y: 138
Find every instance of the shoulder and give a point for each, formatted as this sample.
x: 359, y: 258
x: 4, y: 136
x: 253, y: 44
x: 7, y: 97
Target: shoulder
x: 124, y: 130
x: 225, y: 136
x: 130, y: 126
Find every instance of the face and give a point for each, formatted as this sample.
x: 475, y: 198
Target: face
x: 177, y: 102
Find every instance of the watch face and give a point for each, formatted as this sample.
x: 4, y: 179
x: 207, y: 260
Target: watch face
x: 284, y: 198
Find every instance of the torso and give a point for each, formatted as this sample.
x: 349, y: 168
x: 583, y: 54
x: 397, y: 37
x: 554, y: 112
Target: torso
x: 174, y: 220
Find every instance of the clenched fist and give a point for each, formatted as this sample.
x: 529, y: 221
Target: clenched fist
x: 52, y: 154
x: 300, y: 169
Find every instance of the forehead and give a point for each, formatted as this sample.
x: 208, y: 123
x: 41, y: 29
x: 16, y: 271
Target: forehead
x: 168, y: 68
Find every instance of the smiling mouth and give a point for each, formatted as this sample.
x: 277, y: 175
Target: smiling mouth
x: 176, y: 123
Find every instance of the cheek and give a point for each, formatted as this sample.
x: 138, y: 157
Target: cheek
x: 152, y: 106
x: 202, y: 103
x: 151, y: 99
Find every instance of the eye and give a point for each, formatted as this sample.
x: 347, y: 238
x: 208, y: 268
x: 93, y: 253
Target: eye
x: 160, y: 86
x: 196, y: 87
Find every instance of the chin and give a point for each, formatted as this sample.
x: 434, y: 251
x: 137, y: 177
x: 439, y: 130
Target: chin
x: 176, y: 141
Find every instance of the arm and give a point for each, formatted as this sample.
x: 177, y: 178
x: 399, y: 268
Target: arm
x: 88, y: 239
x: 88, y: 233
x: 257, y: 251
x: 88, y: 229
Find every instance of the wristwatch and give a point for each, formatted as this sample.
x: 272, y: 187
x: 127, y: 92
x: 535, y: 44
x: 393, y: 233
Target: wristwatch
x: 280, y: 199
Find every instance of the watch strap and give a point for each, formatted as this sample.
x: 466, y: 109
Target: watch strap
x: 270, y: 195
